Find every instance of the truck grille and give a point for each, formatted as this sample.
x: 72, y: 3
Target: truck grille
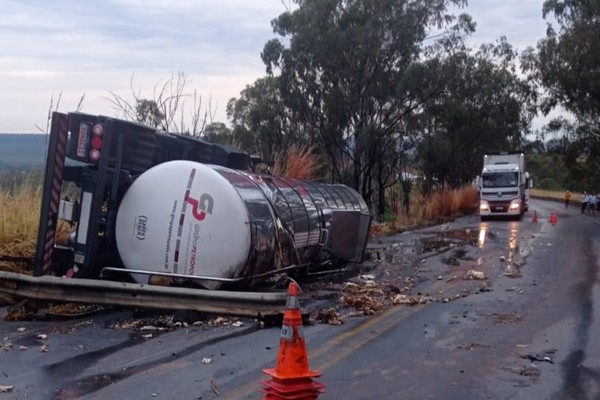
x: 499, y: 206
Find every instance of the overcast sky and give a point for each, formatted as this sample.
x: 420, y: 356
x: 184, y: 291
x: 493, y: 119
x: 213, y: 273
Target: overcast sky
x: 93, y: 47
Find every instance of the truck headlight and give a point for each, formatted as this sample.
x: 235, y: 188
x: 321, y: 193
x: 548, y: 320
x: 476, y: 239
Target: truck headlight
x: 515, y: 204
x: 484, y: 206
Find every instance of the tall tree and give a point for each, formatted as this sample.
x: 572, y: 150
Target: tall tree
x: 346, y: 70
x: 486, y: 106
x: 566, y: 65
x: 261, y: 121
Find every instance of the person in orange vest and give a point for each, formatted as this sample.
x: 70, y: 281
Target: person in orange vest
x: 567, y: 199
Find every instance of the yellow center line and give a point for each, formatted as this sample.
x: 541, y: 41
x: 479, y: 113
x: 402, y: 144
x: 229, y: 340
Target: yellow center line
x: 340, y: 340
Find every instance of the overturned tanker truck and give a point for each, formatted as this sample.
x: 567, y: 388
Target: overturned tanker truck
x: 121, y: 199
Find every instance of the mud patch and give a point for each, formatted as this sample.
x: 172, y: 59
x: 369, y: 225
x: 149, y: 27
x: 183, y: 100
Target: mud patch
x: 507, y: 318
x: 530, y: 372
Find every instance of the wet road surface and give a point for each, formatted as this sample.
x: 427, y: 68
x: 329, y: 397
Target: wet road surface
x: 527, y: 331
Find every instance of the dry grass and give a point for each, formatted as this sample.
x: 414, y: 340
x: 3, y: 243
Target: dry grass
x: 554, y: 195
x: 297, y: 161
x: 444, y: 204
x: 19, y: 219
x: 439, y: 206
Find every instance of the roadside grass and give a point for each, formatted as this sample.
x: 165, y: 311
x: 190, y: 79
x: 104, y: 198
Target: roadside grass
x: 439, y: 206
x: 19, y: 218
x: 554, y: 195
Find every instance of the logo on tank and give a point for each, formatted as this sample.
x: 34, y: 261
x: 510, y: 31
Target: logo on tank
x: 141, y: 227
x: 201, y: 207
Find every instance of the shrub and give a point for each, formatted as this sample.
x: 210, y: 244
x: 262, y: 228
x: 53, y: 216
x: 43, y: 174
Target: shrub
x: 548, y: 184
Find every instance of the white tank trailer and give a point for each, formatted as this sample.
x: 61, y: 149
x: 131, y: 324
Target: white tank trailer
x: 152, y: 203
x: 192, y: 219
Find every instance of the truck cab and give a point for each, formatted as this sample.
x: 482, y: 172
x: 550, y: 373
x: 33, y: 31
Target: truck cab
x: 503, y: 186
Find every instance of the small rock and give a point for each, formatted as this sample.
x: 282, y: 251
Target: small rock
x: 477, y: 275
x: 206, y: 360
x: 6, y: 389
x: 21, y: 329
x: 42, y: 336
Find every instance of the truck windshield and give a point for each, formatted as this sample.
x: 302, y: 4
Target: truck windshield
x: 500, y: 179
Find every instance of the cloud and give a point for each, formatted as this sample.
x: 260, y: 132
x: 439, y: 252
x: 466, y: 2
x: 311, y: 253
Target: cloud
x: 519, y: 20
x: 93, y: 47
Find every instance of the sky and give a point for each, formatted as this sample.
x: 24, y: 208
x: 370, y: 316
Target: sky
x: 90, y: 48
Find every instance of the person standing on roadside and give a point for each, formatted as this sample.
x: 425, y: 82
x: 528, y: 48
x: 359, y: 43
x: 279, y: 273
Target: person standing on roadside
x: 567, y: 198
x: 584, y: 201
x: 592, y: 200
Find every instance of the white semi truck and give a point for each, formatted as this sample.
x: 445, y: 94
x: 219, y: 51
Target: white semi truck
x: 504, y: 185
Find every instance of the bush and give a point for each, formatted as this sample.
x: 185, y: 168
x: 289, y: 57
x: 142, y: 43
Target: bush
x: 548, y: 184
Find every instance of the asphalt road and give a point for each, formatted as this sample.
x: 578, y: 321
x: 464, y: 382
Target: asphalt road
x: 526, y: 331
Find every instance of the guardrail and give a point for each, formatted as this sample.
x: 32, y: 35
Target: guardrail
x: 89, y: 291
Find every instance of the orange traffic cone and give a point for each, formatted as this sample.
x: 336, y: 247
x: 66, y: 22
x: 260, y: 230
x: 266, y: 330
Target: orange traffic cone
x: 553, y: 217
x: 535, y: 217
x: 292, y: 377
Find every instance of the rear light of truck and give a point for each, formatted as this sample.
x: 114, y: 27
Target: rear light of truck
x: 96, y: 143
x: 86, y: 141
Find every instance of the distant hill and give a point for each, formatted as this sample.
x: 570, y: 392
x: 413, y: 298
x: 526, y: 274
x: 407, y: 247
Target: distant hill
x: 22, y: 151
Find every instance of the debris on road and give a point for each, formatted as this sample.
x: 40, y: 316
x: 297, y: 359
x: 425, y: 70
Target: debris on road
x: 535, y: 357
x: 507, y: 318
x: 531, y: 372
x: 410, y: 300
x: 474, y: 274
x: 6, y: 389
x: 5, y: 345
x: 367, y: 305
x: 213, y: 386
x: 473, y: 346
x: 328, y: 316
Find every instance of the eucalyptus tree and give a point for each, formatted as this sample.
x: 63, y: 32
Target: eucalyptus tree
x: 486, y: 106
x: 345, y: 68
x: 261, y: 121
x: 566, y: 66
